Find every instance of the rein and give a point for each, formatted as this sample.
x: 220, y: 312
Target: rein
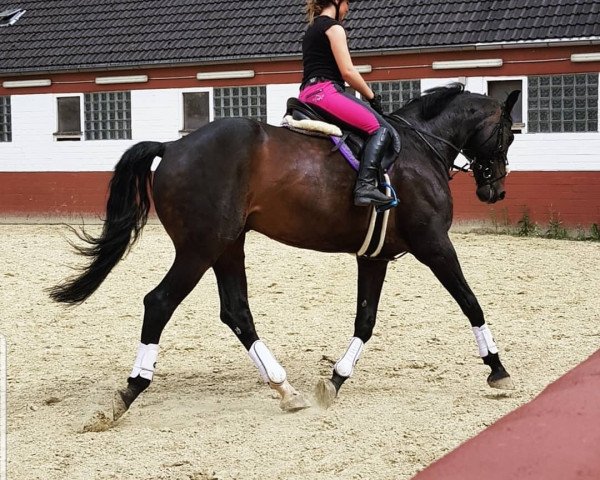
x: 421, y: 133
x: 471, y: 161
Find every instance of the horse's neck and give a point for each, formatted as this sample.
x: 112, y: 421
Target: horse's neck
x: 456, y: 126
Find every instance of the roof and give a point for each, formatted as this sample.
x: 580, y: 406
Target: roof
x: 69, y: 35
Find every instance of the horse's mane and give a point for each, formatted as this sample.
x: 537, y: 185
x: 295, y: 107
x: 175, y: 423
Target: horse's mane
x: 434, y: 100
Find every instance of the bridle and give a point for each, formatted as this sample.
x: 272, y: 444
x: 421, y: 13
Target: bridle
x: 473, y: 163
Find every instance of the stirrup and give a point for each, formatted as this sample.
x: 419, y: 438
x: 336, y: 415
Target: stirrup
x: 392, y: 203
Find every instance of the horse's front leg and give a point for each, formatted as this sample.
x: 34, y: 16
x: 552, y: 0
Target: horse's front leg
x: 371, y: 274
x: 441, y: 258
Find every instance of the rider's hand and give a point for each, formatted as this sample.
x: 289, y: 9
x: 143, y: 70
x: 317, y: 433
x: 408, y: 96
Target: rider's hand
x: 375, y: 103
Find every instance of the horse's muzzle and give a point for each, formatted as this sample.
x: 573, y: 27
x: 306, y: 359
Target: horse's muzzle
x: 489, y: 194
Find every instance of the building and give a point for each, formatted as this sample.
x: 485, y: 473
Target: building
x: 82, y: 81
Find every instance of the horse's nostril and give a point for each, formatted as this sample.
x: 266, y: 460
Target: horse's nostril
x: 502, y: 195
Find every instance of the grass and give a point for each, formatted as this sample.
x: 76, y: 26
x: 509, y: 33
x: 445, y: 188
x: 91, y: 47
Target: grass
x: 526, y: 227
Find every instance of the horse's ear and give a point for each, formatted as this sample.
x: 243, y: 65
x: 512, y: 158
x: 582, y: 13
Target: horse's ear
x: 511, y: 100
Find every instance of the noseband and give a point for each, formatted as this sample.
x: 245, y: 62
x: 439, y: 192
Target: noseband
x: 498, y: 155
x: 472, y: 162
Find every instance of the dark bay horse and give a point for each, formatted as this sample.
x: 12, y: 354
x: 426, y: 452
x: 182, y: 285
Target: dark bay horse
x: 236, y: 175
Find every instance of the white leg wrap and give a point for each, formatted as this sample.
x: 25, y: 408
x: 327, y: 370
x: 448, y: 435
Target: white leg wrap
x: 485, y: 341
x: 145, y: 361
x: 345, y: 365
x: 269, y: 368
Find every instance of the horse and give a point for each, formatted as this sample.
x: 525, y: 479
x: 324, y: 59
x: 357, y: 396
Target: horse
x: 237, y: 174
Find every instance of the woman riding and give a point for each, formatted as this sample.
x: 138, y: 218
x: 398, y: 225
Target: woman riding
x: 327, y: 65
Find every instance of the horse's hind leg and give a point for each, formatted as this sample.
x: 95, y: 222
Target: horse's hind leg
x: 441, y: 258
x: 159, y: 305
x: 371, y: 274
x: 235, y: 313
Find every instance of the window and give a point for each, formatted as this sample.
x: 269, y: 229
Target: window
x: 241, y: 102
x: 563, y: 103
x: 107, y: 116
x: 500, y: 89
x: 395, y: 94
x: 68, y: 119
x: 5, y: 120
x: 195, y: 111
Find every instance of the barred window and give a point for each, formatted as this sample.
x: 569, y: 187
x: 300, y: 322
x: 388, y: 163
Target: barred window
x: 5, y: 120
x: 241, y: 102
x: 563, y: 103
x: 107, y: 116
x: 397, y: 93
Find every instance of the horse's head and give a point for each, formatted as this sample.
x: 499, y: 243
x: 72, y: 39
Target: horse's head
x: 487, y: 151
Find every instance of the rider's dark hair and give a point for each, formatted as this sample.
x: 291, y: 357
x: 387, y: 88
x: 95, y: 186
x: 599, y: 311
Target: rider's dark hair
x: 316, y: 7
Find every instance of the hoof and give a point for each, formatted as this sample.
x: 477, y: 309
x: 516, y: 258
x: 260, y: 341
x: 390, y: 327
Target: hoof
x: 501, y: 380
x: 294, y: 403
x: 325, y: 393
x: 119, y: 405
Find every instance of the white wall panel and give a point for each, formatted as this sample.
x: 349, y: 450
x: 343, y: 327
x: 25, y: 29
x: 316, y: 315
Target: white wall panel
x: 277, y: 96
x: 34, y: 147
x: 157, y: 115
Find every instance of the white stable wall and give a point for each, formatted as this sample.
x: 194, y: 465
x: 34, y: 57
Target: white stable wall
x: 158, y: 115
x: 537, y: 151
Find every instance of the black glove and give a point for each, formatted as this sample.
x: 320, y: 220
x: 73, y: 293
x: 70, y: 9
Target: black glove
x: 375, y: 103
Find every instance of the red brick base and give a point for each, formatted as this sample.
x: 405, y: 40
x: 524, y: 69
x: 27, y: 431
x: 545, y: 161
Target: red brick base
x: 572, y: 197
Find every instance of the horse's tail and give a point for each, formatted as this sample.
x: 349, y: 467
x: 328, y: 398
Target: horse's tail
x: 126, y: 214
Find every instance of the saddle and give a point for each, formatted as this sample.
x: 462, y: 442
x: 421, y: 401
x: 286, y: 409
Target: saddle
x: 310, y: 119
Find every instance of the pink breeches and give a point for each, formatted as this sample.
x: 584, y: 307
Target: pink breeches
x: 334, y: 101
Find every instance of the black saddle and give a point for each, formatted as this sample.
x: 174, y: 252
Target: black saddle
x: 353, y: 137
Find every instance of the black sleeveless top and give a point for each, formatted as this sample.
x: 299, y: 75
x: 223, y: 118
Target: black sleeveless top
x: 317, y: 56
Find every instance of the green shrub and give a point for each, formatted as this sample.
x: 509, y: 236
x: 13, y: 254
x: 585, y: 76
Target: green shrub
x: 525, y: 227
x: 556, y: 229
x: 595, y: 232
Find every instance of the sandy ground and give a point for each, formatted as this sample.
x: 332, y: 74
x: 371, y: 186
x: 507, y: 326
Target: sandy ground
x: 418, y: 391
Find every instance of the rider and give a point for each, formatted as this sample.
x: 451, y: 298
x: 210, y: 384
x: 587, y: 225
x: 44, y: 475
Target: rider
x: 327, y: 65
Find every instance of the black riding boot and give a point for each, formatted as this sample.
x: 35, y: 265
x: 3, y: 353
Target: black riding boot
x: 365, y: 191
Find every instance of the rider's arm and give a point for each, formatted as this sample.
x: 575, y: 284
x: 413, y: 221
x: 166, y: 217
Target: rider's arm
x: 339, y: 47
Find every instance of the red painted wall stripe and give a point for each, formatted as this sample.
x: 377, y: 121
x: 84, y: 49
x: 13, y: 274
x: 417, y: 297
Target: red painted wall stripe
x: 573, y: 197
x: 556, y: 436
x: 570, y: 197
x: 53, y: 193
x: 517, y: 61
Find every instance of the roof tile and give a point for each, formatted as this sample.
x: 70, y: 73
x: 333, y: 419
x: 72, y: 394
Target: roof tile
x: 70, y: 34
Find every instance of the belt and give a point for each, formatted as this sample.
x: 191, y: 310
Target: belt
x: 314, y: 80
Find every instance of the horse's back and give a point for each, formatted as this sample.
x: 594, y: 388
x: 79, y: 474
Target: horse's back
x: 235, y: 174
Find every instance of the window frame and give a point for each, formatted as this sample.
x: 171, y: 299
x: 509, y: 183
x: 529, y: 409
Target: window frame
x: 181, y: 113
x: 10, y: 122
x: 523, y: 98
x: 69, y: 136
